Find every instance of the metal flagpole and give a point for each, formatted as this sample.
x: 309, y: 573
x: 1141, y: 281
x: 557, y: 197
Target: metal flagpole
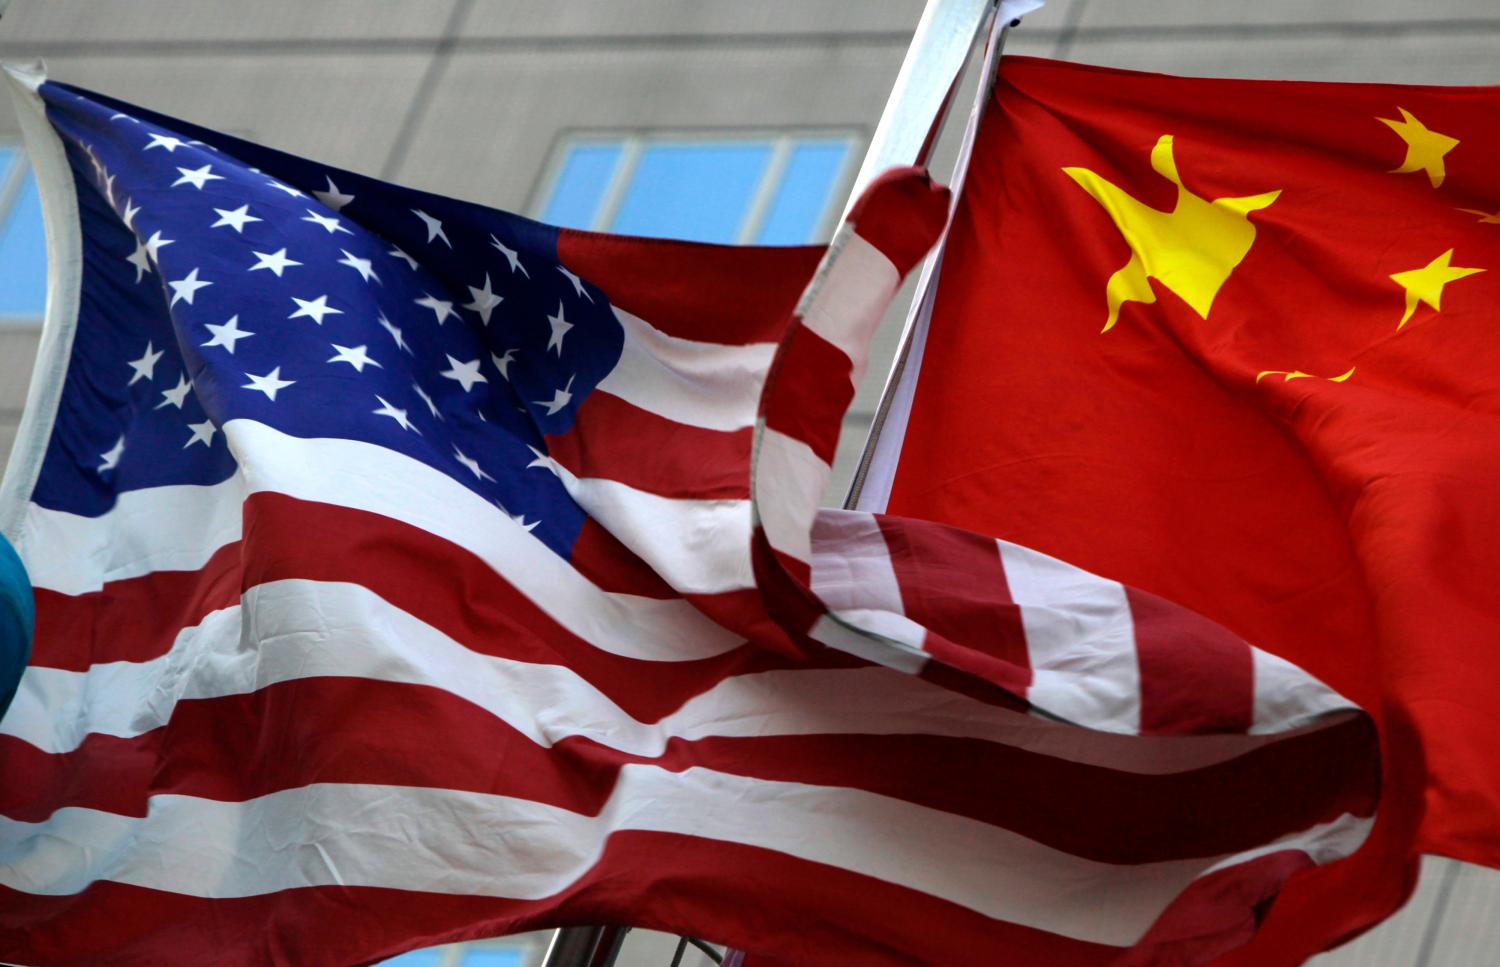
x: 1007, y: 16
x: 939, y: 48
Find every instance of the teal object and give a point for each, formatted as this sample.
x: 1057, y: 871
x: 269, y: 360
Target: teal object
x: 17, y: 621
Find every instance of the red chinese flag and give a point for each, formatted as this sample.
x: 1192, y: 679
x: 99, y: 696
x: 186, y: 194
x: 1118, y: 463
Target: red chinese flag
x: 1238, y: 343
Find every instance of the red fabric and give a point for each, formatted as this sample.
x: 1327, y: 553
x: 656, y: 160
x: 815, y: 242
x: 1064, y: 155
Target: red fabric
x: 1348, y: 526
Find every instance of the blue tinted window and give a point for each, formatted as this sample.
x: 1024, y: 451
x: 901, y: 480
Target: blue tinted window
x: 492, y: 957
x: 431, y: 957
x: 23, y: 248
x: 697, y: 190
x: 586, y: 174
x: 800, y: 200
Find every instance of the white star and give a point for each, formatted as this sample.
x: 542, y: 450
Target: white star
x: 110, y: 458
x: 236, y: 219
x: 185, y: 288
x: 431, y: 406
x: 286, y: 188
x: 128, y: 215
x: 439, y: 308
x: 145, y: 367
x: 396, y: 251
x: 362, y: 266
x: 269, y: 384
x: 398, y: 415
x: 434, y: 227
x: 560, y: 398
x: 277, y: 262
x: 542, y: 460
x: 466, y: 374
x: 109, y: 189
x: 355, y: 356
x: 560, y: 327
x: 472, y: 464
x: 314, y: 309
x: 510, y: 256
x: 330, y: 224
x: 390, y: 327
x: 154, y: 244
x: 484, y: 300
x: 197, y: 177
x: 521, y: 519
x: 503, y: 361
x: 164, y: 141
x: 227, y: 334
x: 577, y: 283
x: 141, y: 259
x: 333, y: 198
x: 202, y: 433
x: 177, y: 394
x: 118, y: 115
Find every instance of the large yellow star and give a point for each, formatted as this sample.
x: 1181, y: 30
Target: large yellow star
x: 1485, y: 218
x: 1424, y: 147
x: 1426, y: 284
x: 1191, y: 249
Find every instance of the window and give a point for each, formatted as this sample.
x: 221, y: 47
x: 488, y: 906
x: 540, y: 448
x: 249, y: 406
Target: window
x: 768, y: 189
x: 523, y: 950
x: 23, y: 246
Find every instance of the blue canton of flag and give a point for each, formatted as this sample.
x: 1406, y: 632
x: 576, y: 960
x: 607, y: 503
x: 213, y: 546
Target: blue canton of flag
x: 223, y: 279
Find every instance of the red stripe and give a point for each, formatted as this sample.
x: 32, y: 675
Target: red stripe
x: 239, y: 747
x: 618, y: 441
x: 1196, y: 675
x: 901, y: 213
x: 710, y: 293
x: 134, y: 619
x: 599, y: 556
x: 812, y: 383
x: 699, y: 887
x: 953, y: 584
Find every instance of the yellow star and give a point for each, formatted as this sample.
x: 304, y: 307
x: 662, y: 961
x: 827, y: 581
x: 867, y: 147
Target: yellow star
x: 1191, y: 249
x: 1424, y: 147
x: 1426, y: 284
x: 1485, y: 218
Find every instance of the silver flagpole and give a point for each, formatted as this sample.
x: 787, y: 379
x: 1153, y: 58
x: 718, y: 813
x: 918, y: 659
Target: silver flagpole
x: 939, y: 47
x: 922, y: 299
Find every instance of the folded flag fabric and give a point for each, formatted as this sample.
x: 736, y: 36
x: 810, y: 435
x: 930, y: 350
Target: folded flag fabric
x: 1237, y: 341
x: 409, y: 571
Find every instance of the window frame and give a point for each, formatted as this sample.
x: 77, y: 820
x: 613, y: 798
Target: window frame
x: 11, y: 185
x: 633, y: 141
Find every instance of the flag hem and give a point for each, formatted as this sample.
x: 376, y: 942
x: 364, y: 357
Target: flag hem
x: 64, y: 274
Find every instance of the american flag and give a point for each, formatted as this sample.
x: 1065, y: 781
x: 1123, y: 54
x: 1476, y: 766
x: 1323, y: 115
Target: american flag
x: 408, y: 571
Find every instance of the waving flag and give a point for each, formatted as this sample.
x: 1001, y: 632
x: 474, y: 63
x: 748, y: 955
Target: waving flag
x: 408, y: 571
x: 1233, y: 341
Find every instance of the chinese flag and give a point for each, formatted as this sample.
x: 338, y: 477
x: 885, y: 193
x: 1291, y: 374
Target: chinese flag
x: 1238, y: 343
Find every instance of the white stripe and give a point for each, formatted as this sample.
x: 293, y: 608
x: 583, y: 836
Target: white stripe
x: 851, y: 565
x: 1080, y: 640
x: 59, y: 194
x: 851, y: 631
x: 1287, y: 697
x: 401, y: 837
x: 846, y: 301
x: 708, y: 385
x: 175, y: 528
x: 290, y: 630
x: 696, y: 546
x: 788, y: 479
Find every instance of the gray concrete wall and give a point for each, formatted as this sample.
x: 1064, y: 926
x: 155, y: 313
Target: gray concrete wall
x: 469, y: 98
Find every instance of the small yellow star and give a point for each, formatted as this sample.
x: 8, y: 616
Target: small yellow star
x: 1426, y: 284
x: 1485, y: 218
x: 1424, y: 147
